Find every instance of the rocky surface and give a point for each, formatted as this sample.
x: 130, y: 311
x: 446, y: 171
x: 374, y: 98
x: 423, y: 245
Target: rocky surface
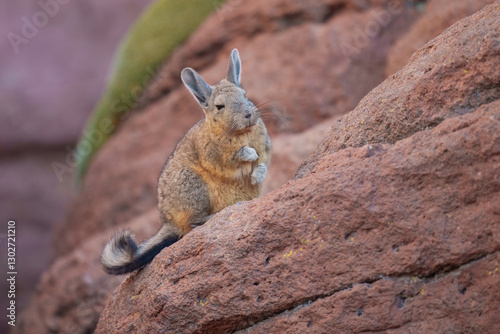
x: 401, y: 219
x: 401, y: 305
x: 395, y: 231
x: 289, y: 150
x: 451, y: 75
x: 121, y: 180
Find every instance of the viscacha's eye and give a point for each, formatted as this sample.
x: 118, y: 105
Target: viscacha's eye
x: 219, y: 106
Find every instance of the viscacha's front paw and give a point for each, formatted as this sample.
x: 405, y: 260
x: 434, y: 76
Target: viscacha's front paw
x: 247, y: 153
x: 258, y: 174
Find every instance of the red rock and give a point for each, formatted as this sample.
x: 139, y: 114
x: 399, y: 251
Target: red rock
x: 424, y: 210
x: 289, y: 150
x: 451, y: 75
x: 402, y: 305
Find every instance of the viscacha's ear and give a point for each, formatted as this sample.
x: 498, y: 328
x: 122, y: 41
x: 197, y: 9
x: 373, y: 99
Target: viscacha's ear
x: 234, y: 69
x: 197, y: 86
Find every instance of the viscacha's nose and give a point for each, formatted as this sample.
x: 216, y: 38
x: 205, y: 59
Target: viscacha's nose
x: 248, y: 114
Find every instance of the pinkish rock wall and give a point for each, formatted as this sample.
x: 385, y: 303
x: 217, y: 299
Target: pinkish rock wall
x: 48, y: 85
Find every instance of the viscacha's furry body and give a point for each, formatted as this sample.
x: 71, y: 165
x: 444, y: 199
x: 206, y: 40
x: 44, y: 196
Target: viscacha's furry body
x: 222, y: 160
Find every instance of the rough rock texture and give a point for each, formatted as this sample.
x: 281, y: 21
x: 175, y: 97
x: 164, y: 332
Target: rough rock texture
x: 289, y: 150
x: 440, y: 15
x: 401, y: 305
x: 451, y: 75
x: 404, y: 219
x: 121, y: 180
x: 401, y: 236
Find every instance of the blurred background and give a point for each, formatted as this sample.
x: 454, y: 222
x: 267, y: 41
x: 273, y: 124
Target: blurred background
x: 310, y: 61
x: 48, y: 87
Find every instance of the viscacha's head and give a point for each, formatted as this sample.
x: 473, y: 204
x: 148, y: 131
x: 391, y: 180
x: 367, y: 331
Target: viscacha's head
x: 225, y: 104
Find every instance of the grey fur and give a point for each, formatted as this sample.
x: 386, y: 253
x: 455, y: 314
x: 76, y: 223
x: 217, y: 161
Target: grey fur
x: 179, y: 187
x: 247, y: 154
x: 234, y: 68
x: 197, y: 86
x: 259, y: 173
x: 115, y: 254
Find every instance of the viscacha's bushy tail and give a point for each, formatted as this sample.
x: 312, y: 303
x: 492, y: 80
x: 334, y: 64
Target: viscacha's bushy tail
x: 122, y: 255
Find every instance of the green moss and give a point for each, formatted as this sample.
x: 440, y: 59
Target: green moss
x: 163, y: 25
